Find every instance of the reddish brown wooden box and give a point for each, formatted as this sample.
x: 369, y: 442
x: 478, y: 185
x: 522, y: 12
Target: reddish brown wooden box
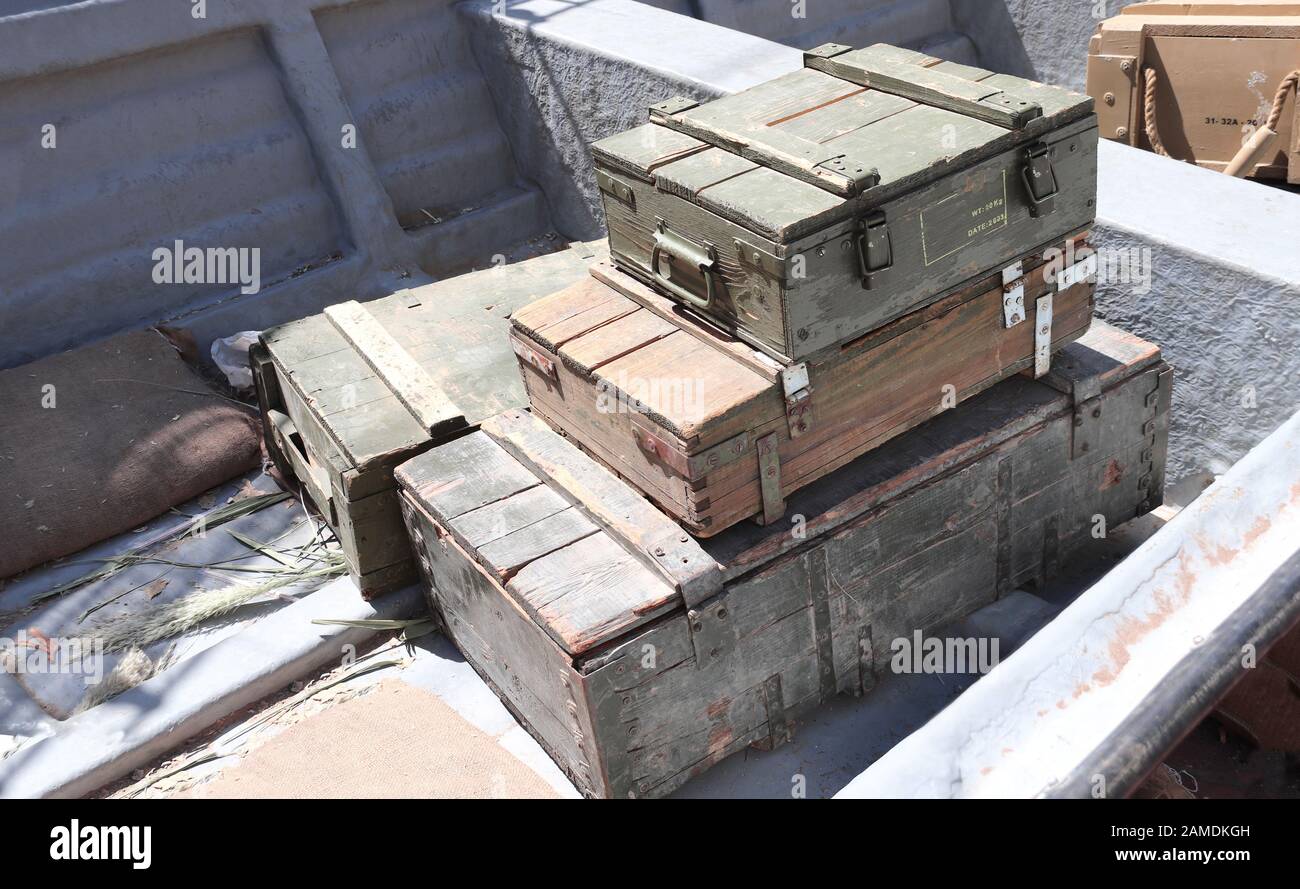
x: 716, y: 432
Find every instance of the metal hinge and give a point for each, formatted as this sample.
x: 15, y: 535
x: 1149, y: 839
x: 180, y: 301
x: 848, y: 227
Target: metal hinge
x: 1043, y: 336
x: 769, y: 479
x: 696, y: 465
x: 875, y: 251
x: 1151, y: 482
x: 798, y: 398
x: 1086, y: 435
x: 669, y: 107
x: 1081, y: 271
x: 767, y: 263
x: 616, y: 188
x: 861, y: 174
x: 1040, y: 180
x: 1013, y: 294
x: 712, y: 629
x: 529, y: 355
x: 826, y: 51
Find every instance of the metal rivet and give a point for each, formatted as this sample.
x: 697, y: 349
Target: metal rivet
x: 1110, y: 98
x: 1125, y: 65
x: 1121, y: 132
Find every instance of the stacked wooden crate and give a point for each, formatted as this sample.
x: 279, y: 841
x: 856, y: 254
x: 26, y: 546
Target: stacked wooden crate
x: 857, y: 297
x: 1212, y: 83
x: 349, y: 394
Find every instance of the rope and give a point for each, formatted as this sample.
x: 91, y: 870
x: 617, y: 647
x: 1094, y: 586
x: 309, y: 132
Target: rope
x: 1149, y: 101
x: 1291, y: 80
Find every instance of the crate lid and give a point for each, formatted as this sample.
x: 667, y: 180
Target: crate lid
x: 590, y: 559
x: 847, y: 131
x: 582, y: 552
x: 454, y: 329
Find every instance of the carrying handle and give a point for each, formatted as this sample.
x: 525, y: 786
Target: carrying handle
x: 704, y: 258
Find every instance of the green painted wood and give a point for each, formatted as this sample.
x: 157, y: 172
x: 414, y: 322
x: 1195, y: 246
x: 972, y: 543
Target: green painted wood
x: 768, y: 170
x: 354, y: 430
x: 910, y: 537
x: 942, y: 89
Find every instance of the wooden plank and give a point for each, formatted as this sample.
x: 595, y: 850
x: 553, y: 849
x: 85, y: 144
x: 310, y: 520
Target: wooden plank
x: 745, y: 124
x: 642, y: 150
x: 412, y: 385
x: 881, y: 71
x: 650, y: 536
x: 506, y: 555
x: 465, y: 474
x: 616, y: 339
x: 854, y: 111
x: 589, y: 592
x: 691, y: 400
x: 672, y: 312
x: 495, y: 520
x: 907, y: 541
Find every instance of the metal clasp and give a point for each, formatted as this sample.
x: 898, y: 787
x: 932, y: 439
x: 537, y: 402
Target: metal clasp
x: 875, y: 251
x: 1040, y: 180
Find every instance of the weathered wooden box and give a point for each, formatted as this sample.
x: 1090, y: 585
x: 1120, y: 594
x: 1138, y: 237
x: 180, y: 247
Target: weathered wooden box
x: 1211, y: 70
x: 337, y: 425
x: 715, y: 432
x: 807, y: 210
x: 639, y: 656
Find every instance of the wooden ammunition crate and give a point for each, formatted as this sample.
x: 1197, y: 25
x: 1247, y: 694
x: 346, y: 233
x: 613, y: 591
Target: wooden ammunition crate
x: 347, y: 395
x: 715, y: 432
x: 1217, y: 67
x: 812, y: 208
x: 639, y: 656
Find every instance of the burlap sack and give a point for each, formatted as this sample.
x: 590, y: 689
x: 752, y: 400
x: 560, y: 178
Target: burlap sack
x: 99, y: 440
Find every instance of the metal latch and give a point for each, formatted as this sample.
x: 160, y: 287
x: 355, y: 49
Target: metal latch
x: 1013, y: 294
x: 713, y: 633
x: 875, y: 252
x: 769, y: 479
x: 1040, y: 180
x: 529, y: 355
x: 1043, y: 336
x: 798, y: 398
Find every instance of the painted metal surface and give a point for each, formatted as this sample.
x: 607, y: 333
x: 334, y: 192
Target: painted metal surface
x: 1028, y: 727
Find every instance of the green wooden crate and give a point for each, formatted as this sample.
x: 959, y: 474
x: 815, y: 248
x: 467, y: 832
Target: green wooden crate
x: 349, y: 394
x: 639, y: 656
x: 813, y: 208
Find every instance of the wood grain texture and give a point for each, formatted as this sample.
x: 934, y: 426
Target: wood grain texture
x: 950, y: 161
x: 694, y: 395
x: 351, y: 427
x: 934, y: 525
